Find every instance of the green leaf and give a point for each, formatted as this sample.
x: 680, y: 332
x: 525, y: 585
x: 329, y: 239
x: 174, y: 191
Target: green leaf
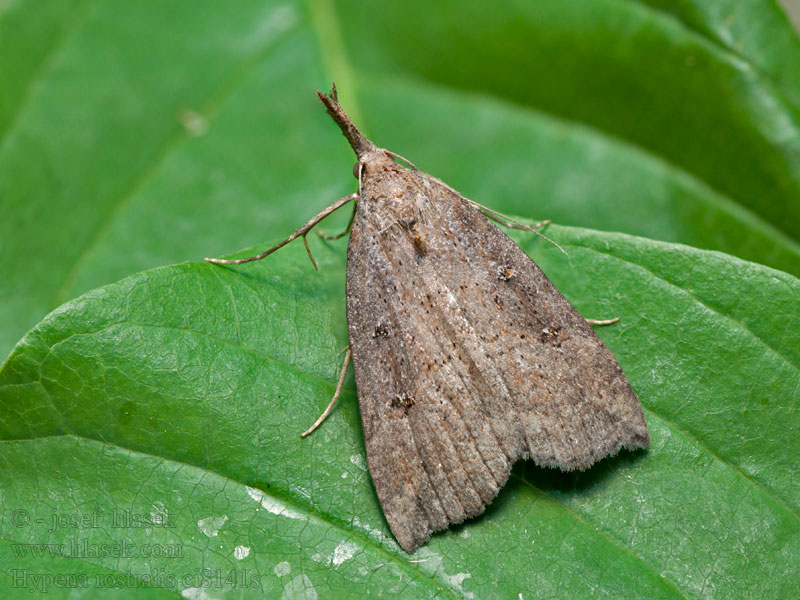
x: 758, y: 31
x: 181, y: 392
x: 137, y: 134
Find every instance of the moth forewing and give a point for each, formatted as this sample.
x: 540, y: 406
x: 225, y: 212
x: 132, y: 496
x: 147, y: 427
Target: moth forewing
x: 492, y: 362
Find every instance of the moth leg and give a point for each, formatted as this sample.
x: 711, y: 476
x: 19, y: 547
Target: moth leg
x: 512, y: 224
x: 339, y: 235
x: 336, y: 394
x: 308, y: 250
x: 505, y: 221
x: 602, y: 322
x: 301, y: 232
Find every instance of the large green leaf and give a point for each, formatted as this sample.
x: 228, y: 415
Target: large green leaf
x: 136, y: 134
x: 758, y: 31
x: 180, y: 392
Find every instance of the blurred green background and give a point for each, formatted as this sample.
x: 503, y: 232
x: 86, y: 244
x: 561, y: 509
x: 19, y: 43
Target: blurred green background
x: 139, y: 134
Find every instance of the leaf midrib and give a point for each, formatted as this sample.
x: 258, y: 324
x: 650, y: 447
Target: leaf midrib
x: 302, y: 373
x: 208, y: 108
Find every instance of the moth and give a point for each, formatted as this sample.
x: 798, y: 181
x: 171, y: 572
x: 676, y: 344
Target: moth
x: 466, y: 357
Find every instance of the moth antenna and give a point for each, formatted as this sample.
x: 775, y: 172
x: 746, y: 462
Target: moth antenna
x: 360, y: 144
x: 403, y: 158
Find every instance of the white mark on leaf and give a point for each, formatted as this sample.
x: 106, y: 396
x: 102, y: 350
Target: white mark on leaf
x: 268, y: 26
x: 359, y: 461
x: 272, y: 505
x: 371, y: 532
x: 299, y: 588
x: 344, y: 551
x: 433, y: 566
x: 197, y: 593
x: 282, y: 568
x: 241, y: 552
x: 210, y: 526
x: 457, y: 581
x: 193, y: 122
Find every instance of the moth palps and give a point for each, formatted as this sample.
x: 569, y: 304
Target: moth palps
x: 466, y: 357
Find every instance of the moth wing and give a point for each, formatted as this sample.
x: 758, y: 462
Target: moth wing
x: 467, y: 358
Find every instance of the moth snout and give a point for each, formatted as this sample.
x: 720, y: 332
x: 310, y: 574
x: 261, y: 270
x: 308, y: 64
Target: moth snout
x: 359, y: 166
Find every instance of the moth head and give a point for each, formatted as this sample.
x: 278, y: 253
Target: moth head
x: 375, y: 161
x: 369, y: 155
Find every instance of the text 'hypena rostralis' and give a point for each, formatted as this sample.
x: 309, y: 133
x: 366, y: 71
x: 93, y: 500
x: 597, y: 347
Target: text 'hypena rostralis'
x: 466, y: 357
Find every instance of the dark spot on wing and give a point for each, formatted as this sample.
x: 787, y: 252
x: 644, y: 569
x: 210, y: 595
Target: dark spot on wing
x: 402, y: 401
x: 506, y: 273
x: 381, y: 331
x: 553, y: 335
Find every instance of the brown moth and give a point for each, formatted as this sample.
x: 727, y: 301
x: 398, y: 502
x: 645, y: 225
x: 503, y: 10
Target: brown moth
x: 466, y: 357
